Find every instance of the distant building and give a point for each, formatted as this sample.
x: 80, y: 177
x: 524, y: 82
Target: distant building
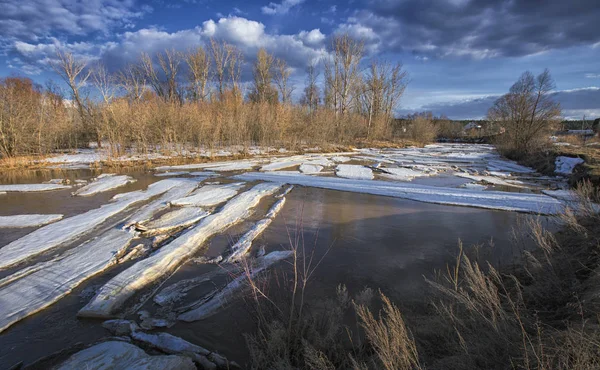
x: 472, y: 126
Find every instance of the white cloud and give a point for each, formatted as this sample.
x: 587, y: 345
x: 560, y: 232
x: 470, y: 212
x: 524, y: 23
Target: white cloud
x: 299, y: 50
x: 280, y: 8
x: 592, y: 75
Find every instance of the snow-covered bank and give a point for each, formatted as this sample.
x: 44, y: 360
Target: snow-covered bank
x: 145, y: 272
x: 522, y: 202
x: 28, y: 220
x: 67, y: 230
x: 104, y: 182
x: 25, y: 188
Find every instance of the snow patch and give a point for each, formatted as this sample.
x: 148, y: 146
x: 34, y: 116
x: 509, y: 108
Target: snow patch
x: 564, y: 165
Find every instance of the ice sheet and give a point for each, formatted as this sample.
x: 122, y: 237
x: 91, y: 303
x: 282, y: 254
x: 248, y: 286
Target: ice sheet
x: 55, y: 279
x: 28, y: 220
x: 104, y: 182
x: 67, y: 230
x: 211, y: 306
x: 522, y: 202
x: 145, y: 272
x: 25, y: 188
x: 243, y: 245
x: 353, y: 171
x: 209, y: 195
x: 310, y: 168
x: 179, y: 218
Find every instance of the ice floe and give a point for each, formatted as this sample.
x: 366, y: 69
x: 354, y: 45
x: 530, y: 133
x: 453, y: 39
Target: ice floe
x: 309, y: 169
x: 36, y: 287
x: 402, y: 174
x: 28, y: 220
x: 147, y: 271
x: 354, y: 171
x: 522, y: 202
x: 493, y: 180
x: 179, y: 218
x: 54, y: 279
x: 25, y: 188
x: 563, y: 165
x: 210, y: 307
x: 243, y: 245
x: 67, y: 230
x: 104, y: 182
x: 209, y: 195
x: 122, y: 355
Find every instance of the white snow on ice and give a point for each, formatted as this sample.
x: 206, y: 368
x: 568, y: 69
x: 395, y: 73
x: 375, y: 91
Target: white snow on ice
x: 209, y: 195
x: 145, y: 272
x: 354, y: 171
x: 28, y: 220
x: 522, y: 202
x: 309, y: 169
x: 104, y: 182
x: 24, y: 188
x: 67, y: 230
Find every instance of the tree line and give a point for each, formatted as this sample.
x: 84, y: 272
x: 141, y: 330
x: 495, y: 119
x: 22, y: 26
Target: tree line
x: 174, y: 100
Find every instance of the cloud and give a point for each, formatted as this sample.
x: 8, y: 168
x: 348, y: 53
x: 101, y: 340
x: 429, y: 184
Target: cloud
x: 592, y: 75
x: 38, y: 19
x: 574, y: 103
x: 280, y: 8
x: 299, y: 50
x: 479, y: 29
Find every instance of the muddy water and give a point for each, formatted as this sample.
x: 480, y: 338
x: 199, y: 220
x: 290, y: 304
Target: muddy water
x: 373, y: 241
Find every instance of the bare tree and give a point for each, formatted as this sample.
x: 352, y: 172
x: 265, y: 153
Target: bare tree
x: 221, y: 55
x: 234, y: 69
x: 169, y: 62
x: 342, y: 73
x: 262, y: 90
x: 526, y: 113
x: 74, y: 72
x: 104, y: 82
x: 199, y: 73
x: 132, y: 79
x: 151, y: 76
x: 311, y: 97
x: 281, y: 77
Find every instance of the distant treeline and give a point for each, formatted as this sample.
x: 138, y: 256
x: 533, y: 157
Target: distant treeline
x: 194, y: 99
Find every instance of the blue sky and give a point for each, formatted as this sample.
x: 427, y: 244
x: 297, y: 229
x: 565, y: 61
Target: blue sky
x: 460, y: 54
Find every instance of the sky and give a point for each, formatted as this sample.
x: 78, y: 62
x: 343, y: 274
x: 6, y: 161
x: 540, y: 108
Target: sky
x: 460, y: 55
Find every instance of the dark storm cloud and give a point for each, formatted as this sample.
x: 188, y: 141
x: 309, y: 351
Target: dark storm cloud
x: 574, y: 103
x: 481, y: 28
